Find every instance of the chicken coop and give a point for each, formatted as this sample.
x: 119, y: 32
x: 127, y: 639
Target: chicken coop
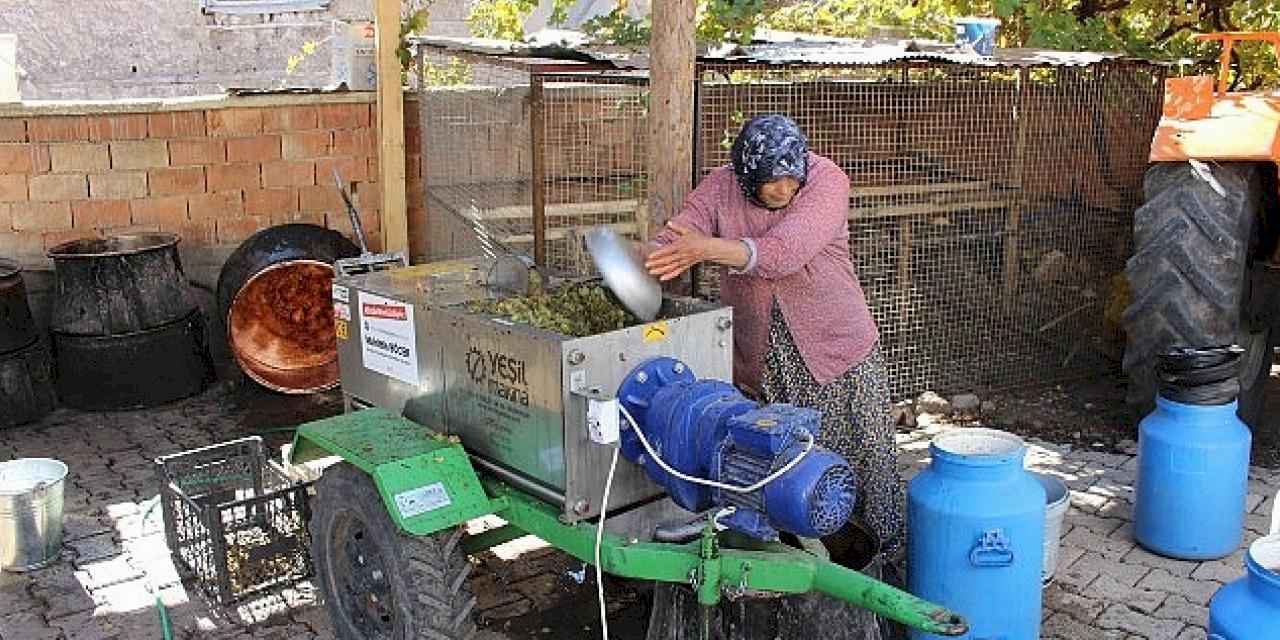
x: 991, y: 202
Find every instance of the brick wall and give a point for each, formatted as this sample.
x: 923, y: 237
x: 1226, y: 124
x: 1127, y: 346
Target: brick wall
x: 214, y: 173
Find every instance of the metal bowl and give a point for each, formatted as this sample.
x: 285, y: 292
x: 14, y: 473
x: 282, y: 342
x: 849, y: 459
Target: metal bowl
x: 624, y: 273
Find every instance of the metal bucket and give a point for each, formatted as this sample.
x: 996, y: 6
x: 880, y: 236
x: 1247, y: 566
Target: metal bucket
x: 1057, y: 500
x: 30, y: 512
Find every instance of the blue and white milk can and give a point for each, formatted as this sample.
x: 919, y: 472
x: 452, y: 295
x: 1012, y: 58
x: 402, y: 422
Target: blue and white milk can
x: 1193, y: 459
x: 976, y: 522
x: 1249, y: 608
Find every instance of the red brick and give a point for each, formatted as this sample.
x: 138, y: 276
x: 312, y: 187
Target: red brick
x: 13, y: 130
x: 42, y: 216
x: 412, y: 139
x: 208, y: 206
x: 202, y: 233
x: 6, y: 217
x: 297, y: 217
x: 54, y: 238
x: 341, y: 222
x: 351, y: 170
x: 306, y: 144
x: 225, y: 123
x: 79, y: 157
x: 412, y: 111
x: 255, y: 149
x: 229, y: 177
x: 170, y: 212
x: 118, y: 185
x: 97, y: 214
x: 26, y: 248
x: 13, y: 188
x: 58, y: 129
x: 199, y: 151
x: 355, y: 142
x: 176, y: 180
x: 122, y: 127
x: 289, y: 119
x: 132, y: 228
x: 18, y: 158
x: 65, y: 186
x: 373, y: 168
x: 176, y: 124
x: 236, y: 230
x: 139, y: 154
x: 344, y: 116
x: 319, y: 198
x: 367, y: 195
x: 288, y: 173
x: 270, y: 202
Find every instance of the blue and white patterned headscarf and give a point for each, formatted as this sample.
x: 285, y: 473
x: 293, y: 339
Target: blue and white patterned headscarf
x: 769, y: 146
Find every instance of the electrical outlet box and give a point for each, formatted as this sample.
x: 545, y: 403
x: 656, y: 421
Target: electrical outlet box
x: 603, y: 420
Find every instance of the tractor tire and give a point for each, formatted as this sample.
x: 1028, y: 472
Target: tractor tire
x: 1189, y: 273
x: 378, y: 582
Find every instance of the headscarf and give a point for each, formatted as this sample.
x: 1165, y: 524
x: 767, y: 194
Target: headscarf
x: 768, y: 147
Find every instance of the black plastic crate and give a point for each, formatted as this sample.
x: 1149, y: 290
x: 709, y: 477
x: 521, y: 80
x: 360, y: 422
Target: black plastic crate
x: 234, y: 522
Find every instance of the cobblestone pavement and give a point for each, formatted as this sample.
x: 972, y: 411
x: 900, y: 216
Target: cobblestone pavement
x: 115, y: 564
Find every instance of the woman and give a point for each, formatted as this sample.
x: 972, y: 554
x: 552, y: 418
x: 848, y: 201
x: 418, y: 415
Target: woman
x: 776, y: 217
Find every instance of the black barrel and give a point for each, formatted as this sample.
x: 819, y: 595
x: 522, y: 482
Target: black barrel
x: 275, y: 294
x: 134, y: 370
x: 17, y: 329
x: 26, y: 385
x: 118, y: 285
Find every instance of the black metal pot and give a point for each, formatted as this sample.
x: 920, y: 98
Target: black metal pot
x: 275, y: 294
x: 119, y: 285
x: 134, y: 370
x: 17, y: 329
x: 26, y: 385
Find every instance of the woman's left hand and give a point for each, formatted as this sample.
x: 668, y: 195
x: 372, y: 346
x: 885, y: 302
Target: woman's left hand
x: 689, y: 248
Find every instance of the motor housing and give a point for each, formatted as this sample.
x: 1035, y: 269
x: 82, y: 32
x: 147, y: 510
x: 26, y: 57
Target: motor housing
x: 708, y: 429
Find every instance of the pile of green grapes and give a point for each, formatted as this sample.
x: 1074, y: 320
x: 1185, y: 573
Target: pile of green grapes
x: 582, y: 310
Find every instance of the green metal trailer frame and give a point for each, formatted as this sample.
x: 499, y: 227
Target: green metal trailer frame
x: 428, y: 484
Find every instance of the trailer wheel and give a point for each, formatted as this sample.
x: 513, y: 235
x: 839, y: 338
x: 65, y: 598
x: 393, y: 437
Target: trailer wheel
x: 377, y: 582
x: 1189, y: 273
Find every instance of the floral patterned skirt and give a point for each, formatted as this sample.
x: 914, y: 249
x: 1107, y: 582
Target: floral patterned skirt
x: 856, y: 424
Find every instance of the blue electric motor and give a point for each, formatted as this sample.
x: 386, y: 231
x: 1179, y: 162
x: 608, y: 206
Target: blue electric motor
x: 708, y: 429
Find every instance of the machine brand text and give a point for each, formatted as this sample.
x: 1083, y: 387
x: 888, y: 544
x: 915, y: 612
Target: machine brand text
x: 499, y: 374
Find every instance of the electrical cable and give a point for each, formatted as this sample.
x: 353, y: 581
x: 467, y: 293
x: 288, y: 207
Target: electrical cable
x: 604, y: 507
x: 809, y: 444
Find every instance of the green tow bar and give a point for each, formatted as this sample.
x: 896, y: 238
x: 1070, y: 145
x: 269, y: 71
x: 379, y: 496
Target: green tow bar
x: 709, y: 567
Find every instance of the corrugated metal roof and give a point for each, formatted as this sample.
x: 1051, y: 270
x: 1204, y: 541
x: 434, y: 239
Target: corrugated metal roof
x: 784, y: 48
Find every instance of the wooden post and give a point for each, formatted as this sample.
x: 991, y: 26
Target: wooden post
x: 672, y: 55
x: 391, y: 169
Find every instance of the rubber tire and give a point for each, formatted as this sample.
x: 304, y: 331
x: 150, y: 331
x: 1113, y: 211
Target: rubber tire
x: 428, y: 574
x: 1190, y: 268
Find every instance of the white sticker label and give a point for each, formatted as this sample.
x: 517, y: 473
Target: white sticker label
x: 388, y: 343
x: 421, y: 500
x: 340, y: 294
x: 342, y: 311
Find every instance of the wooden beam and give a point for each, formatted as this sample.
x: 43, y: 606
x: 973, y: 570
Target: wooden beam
x: 391, y: 169
x: 671, y: 78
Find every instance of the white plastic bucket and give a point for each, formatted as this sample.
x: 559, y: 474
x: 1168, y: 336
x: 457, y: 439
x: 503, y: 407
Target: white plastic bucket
x: 30, y: 512
x: 1057, y: 500
x: 978, y: 34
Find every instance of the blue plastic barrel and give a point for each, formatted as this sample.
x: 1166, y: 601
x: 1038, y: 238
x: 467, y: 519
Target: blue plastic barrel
x: 1249, y: 608
x: 1193, y: 474
x: 976, y: 522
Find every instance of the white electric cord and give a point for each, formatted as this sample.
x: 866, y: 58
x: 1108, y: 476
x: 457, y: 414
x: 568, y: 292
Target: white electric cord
x: 604, y: 506
x: 712, y: 483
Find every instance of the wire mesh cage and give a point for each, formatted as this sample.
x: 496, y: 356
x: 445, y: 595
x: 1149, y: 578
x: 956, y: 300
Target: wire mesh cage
x: 990, y: 207
x: 522, y: 157
x: 233, y: 522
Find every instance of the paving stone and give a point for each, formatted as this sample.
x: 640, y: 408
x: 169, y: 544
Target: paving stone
x: 94, y: 548
x: 1100, y: 526
x: 1258, y: 523
x: 62, y: 591
x: 1122, y: 618
x: 1088, y: 502
x: 15, y: 593
x: 110, y: 571
x: 1179, y: 608
x: 1140, y: 556
x: 1075, y: 579
x: 1109, y: 590
x: 139, y: 625
x: 1193, y: 633
x: 1222, y: 571
x: 1079, y: 607
x: 1109, y: 547
x: 27, y: 625
x: 123, y: 597
x: 1198, y: 592
x: 77, y: 525
x: 1063, y: 627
